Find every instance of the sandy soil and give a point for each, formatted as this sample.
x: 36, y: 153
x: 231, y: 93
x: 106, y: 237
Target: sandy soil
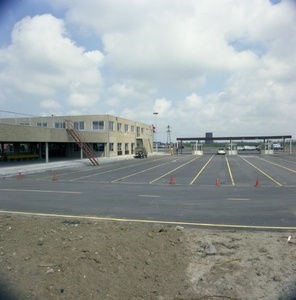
x: 46, y: 258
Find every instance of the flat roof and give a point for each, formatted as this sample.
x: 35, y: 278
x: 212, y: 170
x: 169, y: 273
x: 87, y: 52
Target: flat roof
x: 234, y: 138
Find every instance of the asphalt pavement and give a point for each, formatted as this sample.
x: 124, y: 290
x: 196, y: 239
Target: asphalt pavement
x: 164, y: 189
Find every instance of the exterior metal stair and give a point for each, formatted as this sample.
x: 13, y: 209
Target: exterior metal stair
x: 81, y: 142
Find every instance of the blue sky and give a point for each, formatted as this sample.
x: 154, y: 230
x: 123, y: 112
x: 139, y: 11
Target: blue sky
x: 221, y: 66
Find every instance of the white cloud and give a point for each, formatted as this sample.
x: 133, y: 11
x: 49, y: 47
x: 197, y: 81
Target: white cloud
x: 113, y: 101
x: 225, y: 66
x: 50, y: 104
x: 43, y: 62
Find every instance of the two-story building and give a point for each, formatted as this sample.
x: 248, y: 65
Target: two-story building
x: 47, y: 137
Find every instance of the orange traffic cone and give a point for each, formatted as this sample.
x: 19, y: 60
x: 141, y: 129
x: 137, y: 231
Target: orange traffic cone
x: 54, y: 176
x: 218, y: 182
x: 257, y: 183
x: 20, y: 176
x: 172, y: 180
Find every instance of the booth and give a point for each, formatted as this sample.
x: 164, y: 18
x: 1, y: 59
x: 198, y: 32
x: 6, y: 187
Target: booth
x: 266, y: 148
x: 197, y: 149
x: 231, y: 149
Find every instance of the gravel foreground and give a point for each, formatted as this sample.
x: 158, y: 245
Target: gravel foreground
x: 51, y: 258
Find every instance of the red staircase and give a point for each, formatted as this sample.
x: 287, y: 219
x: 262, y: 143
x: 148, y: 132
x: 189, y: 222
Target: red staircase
x: 81, y: 142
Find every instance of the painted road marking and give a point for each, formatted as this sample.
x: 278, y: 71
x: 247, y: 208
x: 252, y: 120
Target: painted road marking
x: 125, y: 167
x: 229, y: 171
x: 74, y: 172
x: 39, y: 191
x: 144, y: 221
x: 152, y: 196
x: 140, y: 172
x: 201, y: 170
x: 262, y: 172
x: 237, y: 199
x: 173, y: 170
x: 278, y: 165
x: 293, y: 162
x: 64, y: 174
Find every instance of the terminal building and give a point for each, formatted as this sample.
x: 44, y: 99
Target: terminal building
x: 26, y: 137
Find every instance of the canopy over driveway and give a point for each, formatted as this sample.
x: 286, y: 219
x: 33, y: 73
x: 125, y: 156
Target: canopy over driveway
x: 240, y: 138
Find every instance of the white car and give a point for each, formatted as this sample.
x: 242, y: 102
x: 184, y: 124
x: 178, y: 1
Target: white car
x: 221, y: 151
x: 249, y: 148
x: 239, y: 148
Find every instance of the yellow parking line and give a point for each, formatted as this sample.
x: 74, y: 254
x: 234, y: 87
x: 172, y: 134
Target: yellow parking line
x: 229, y: 171
x: 125, y: 167
x: 278, y: 165
x: 262, y: 172
x: 74, y: 172
x: 201, y: 170
x: 39, y: 191
x: 141, y: 172
x: 173, y: 170
x: 293, y: 162
x: 145, y: 221
x: 64, y: 174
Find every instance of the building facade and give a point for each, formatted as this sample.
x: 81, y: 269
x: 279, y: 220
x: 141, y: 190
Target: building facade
x: 109, y: 136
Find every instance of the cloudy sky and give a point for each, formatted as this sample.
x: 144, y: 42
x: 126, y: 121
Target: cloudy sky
x: 221, y: 66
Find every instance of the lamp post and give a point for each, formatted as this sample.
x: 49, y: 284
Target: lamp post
x: 155, y: 113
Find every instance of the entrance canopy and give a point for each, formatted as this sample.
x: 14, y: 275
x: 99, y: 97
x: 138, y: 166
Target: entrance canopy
x: 236, y: 138
x: 240, y: 138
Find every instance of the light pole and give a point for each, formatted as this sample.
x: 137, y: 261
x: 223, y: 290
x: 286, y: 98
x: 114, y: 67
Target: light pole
x: 155, y: 113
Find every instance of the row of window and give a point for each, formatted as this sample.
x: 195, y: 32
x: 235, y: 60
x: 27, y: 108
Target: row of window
x: 100, y: 125
x: 101, y: 147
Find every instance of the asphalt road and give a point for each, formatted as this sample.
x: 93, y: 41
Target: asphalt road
x: 140, y: 190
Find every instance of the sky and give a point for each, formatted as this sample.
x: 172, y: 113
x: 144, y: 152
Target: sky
x: 221, y: 66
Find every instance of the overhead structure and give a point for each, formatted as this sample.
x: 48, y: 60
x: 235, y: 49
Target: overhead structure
x: 168, y: 135
x: 265, y: 139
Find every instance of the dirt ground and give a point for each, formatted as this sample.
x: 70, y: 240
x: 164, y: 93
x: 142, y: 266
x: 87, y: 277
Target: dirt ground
x: 51, y: 258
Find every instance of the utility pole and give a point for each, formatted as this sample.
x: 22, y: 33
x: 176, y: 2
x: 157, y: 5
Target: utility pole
x: 155, y: 113
x: 168, y: 135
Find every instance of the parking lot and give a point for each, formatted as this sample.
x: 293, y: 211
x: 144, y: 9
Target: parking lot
x: 178, y: 189
x: 277, y: 170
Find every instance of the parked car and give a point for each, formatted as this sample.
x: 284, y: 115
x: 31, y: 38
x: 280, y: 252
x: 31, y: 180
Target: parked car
x: 141, y: 152
x: 221, y: 151
x: 249, y: 148
x: 277, y: 147
x: 239, y: 148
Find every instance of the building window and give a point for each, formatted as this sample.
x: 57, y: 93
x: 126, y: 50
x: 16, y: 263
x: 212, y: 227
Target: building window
x: 119, y: 127
x: 8, y: 148
x: 60, y: 125
x: 76, y: 147
x: 79, y: 125
x: 138, y: 131
x: 25, y: 124
x: 119, y: 149
x: 147, y: 132
x: 126, y: 151
x: 111, y: 147
x: 142, y: 131
x: 26, y: 147
x: 132, y: 148
x: 111, y: 125
x: 98, y: 125
x: 125, y: 128
x: 150, y: 131
x: 41, y: 124
x: 98, y: 147
x: 132, y: 129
